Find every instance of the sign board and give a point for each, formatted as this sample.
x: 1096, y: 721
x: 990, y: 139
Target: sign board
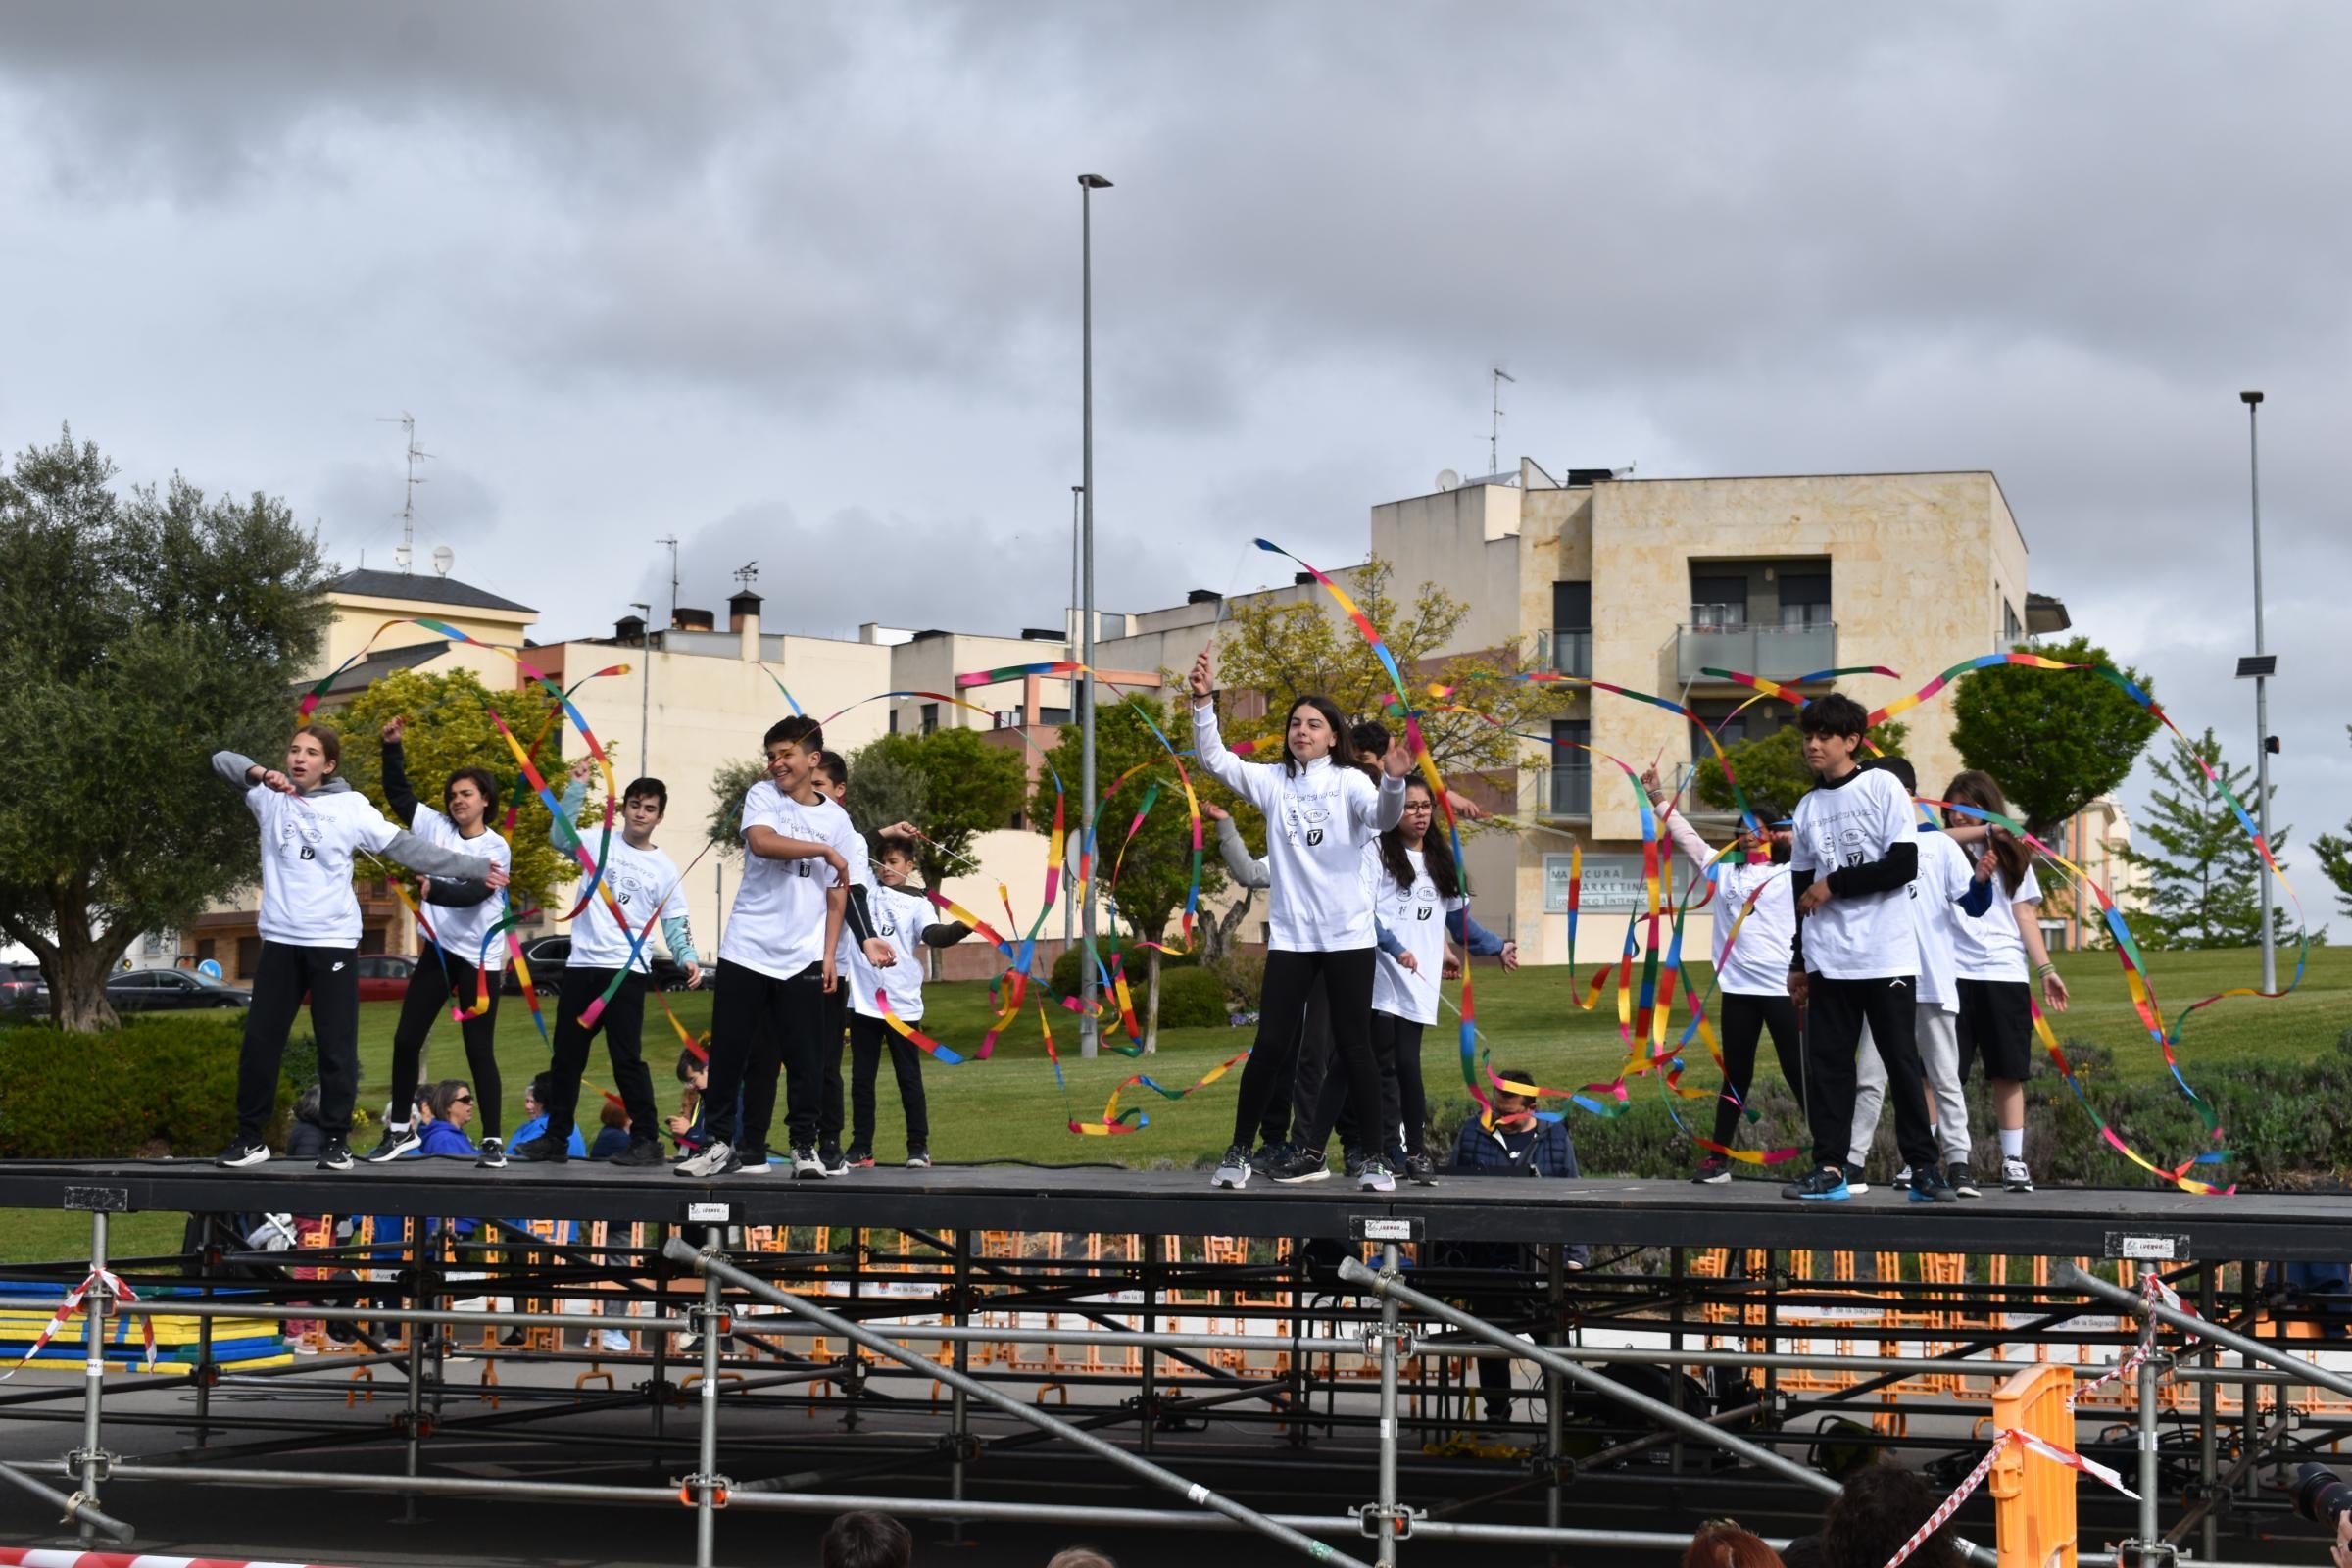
x: 210, y: 968
x: 2146, y: 1248
x: 1383, y: 1228
x: 1611, y: 882
x: 702, y: 1213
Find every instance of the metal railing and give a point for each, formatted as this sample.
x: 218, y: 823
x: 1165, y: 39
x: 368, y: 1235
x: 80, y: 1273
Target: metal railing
x: 1567, y: 789
x: 1565, y: 651
x: 1779, y: 652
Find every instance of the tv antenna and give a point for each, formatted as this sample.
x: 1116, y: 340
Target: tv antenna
x: 407, y: 551
x: 1494, y: 429
x: 672, y: 540
x: 747, y: 575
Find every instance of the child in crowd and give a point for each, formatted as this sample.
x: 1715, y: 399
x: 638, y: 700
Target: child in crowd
x: 903, y: 918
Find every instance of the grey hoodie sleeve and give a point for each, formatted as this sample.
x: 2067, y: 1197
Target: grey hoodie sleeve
x: 233, y: 766
x: 433, y: 860
x: 1247, y: 870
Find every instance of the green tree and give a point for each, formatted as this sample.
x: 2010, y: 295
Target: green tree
x: 970, y: 786
x: 139, y: 633
x: 729, y: 784
x: 2202, y: 886
x: 1772, y: 770
x: 1288, y: 651
x: 449, y: 728
x: 1154, y: 870
x: 884, y: 788
x: 2334, y: 850
x: 2055, y: 740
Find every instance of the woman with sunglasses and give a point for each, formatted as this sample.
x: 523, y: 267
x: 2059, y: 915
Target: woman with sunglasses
x: 452, y: 1105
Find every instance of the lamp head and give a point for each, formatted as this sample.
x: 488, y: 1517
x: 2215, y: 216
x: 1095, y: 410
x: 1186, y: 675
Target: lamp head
x: 1094, y: 182
x: 2250, y: 398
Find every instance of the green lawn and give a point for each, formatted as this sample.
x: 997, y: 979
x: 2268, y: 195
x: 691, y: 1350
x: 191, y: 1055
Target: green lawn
x: 1010, y: 1107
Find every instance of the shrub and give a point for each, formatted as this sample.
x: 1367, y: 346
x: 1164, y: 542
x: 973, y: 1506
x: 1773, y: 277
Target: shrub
x: 1244, y: 977
x: 1135, y: 959
x: 151, y: 1086
x: 1190, y: 999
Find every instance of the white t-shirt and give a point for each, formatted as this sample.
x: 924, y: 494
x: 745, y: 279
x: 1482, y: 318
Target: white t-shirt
x: 1992, y: 948
x: 1946, y: 874
x: 1416, y: 918
x: 1866, y: 936
x: 1756, y: 964
x: 778, y: 925
x: 1318, y: 822
x: 308, y: 842
x: 462, y: 930
x: 641, y: 882
x: 899, y: 918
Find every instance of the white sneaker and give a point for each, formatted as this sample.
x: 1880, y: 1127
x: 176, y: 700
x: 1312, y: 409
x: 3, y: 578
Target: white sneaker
x: 805, y: 1165
x: 494, y: 1153
x: 612, y: 1342
x: 2014, y: 1174
x: 716, y: 1159
x: 1233, y: 1170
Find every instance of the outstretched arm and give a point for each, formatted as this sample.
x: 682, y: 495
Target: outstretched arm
x: 1247, y: 870
x: 398, y: 792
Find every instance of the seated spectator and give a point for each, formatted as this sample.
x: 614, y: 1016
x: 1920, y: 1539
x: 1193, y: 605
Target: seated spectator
x: 305, y: 1138
x: 534, y: 1111
x: 1519, y: 1144
x: 1869, y: 1521
x: 867, y: 1539
x: 612, y: 1138
x: 450, y: 1103
x: 1721, y: 1544
x: 687, y: 1125
x: 1080, y: 1557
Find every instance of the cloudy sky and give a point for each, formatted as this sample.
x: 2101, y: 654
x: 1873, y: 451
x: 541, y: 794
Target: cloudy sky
x: 800, y: 283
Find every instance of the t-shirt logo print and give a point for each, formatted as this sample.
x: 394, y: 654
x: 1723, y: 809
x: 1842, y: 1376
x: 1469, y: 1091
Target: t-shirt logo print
x: 1421, y: 912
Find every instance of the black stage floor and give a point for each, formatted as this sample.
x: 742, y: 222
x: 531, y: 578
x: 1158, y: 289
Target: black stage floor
x: 2055, y: 1222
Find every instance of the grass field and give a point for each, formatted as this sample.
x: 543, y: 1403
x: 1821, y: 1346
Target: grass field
x: 1010, y: 1108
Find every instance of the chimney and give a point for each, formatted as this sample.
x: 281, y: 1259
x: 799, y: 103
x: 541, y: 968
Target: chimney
x: 684, y: 619
x: 742, y: 619
x: 629, y: 629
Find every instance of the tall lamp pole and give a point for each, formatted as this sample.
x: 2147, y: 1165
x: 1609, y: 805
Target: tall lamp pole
x: 2261, y: 695
x: 1088, y: 184
x: 1068, y: 914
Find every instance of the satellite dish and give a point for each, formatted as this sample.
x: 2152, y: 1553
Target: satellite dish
x: 1447, y: 479
x: 401, y: 555
x: 443, y: 559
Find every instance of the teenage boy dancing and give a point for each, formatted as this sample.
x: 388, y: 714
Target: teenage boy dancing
x: 775, y: 962
x: 1853, y: 853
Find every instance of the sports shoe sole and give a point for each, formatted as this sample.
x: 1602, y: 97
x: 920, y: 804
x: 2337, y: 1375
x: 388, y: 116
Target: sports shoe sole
x: 1834, y: 1195
x: 345, y: 1163
x: 1304, y: 1176
x: 258, y: 1155
x: 1228, y: 1179
x: 379, y: 1158
x: 1711, y: 1178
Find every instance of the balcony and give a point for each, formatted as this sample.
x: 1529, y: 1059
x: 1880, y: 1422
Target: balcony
x: 1565, y: 651
x: 1567, y: 790
x: 1711, y: 640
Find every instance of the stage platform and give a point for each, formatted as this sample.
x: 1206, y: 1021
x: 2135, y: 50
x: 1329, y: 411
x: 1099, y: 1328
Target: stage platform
x: 2057, y: 1222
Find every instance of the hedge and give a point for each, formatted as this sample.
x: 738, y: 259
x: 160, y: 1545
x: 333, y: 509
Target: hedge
x: 1189, y: 999
x: 151, y: 1086
x: 1135, y: 962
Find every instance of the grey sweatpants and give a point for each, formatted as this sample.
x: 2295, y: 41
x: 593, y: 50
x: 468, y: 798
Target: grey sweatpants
x: 1939, y: 1055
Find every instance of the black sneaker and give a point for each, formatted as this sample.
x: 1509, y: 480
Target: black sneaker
x: 918, y: 1159
x: 1902, y: 1180
x: 336, y: 1156
x: 396, y: 1142
x: 1931, y: 1186
x: 1233, y: 1169
x: 831, y: 1157
x: 1854, y: 1182
x: 641, y: 1151
x: 1268, y: 1156
x: 1713, y: 1171
x: 1301, y: 1165
x: 1422, y: 1169
x: 1963, y: 1180
x: 1824, y: 1184
x: 494, y: 1153
x: 544, y: 1150
x: 242, y: 1153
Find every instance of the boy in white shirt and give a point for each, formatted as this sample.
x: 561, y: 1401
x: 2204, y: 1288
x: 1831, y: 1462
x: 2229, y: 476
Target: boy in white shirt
x: 1854, y: 853
x: 903, y: 918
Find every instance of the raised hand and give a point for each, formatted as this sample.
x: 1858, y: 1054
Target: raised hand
x: 1202, y: 680
x: 583, y: 768
x: 391, y: 732
x: 1397, y: 762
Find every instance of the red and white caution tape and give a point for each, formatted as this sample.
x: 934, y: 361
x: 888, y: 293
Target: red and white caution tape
x: 1976, y: 1478
x: 2154, y: 1288
x: 71, y: 1305
x: 13, y: 1557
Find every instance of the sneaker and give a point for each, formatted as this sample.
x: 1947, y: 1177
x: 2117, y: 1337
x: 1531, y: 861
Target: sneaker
x: 806, y: 1162
x: 834, y: 1164
x: 688, y: 1344
x: 1713, y: 1171
x: 1932, y: 1186
x: 1376, y: 1177
x: 918, y: 1159
x: 542, y: 1149
x: 1963, y: 1180
x: 1233, y: 1169
x: 1268, y: 1156
x: 754, y: 1161
x: 243, y: 1153
x: 1855, y: 1182
x: 396, y: 1142
x: 861, y: 1159
x: 641, y: 1151
x: 336, y: 1156
x: 494, y: 1153
x: 715, y: 1159
x: 1301, y: 1165
x: 1902, y: 1180
x: 1824, y: 1184
x: 515, y: 1336
x: 612, y: 1342
x: 1422, y: 1169
x: 2014, y: 1174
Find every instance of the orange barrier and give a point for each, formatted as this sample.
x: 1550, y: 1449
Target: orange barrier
x: 2034, y: 1503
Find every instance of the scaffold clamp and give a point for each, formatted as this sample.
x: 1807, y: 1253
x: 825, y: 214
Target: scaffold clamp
x: 1370, y: 1515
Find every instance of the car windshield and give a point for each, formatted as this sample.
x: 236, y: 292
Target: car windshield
x: 210, y: 980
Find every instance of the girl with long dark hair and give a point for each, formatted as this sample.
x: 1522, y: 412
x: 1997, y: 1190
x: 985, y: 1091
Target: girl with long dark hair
x: 1320, y: 816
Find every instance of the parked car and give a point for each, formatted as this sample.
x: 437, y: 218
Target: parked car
x: 384, y: 976
x: 546, y: 957
x: 172, y: 991
x: 23, y: 992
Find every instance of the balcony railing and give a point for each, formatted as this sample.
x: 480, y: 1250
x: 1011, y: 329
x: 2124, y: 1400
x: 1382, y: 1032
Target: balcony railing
x: 1567, y: 789
x: 1777, y: 653
x: 1565, y: 651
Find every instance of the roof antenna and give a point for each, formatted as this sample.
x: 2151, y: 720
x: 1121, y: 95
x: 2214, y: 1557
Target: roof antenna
x: 1495, y: 430
x: 746, y: 576
x: 406, y: 550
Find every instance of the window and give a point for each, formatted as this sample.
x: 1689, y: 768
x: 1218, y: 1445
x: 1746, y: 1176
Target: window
x: 1572, y: 607
x: 1054, y: 715
x: 1571, y: 783
x: 2011, y: 629
x: 371, y: 940
x: 930, y: 717
x: 1804, y: 599
x: 206, y: 947
x: 249, y: 955
x: 1718, y: 603
x: 894, y: 720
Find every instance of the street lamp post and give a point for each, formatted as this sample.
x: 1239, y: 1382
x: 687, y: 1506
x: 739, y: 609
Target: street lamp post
x: 2261, y: 695
x: 1068, y: 914
x: 1088, y: 184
